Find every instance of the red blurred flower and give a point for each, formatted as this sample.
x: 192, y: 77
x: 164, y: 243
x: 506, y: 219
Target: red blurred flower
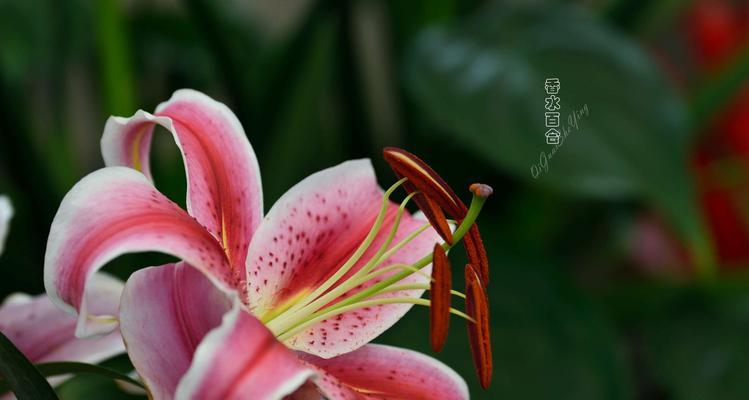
x: 716, y: 31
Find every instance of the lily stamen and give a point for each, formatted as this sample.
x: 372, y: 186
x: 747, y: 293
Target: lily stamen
x: 440, y: 198
x: 310, y: 303
x: 383, y: 271
x: 363, y: 304
x: 473, y: 212
x: 354, y: 257
x: 401, y: 244
x: 418, y: 286
x: 301, y: 316
x: 378, y: 257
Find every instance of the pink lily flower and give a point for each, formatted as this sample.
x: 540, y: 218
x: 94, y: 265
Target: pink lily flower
x: 258, y: 307
x: 43, y: 332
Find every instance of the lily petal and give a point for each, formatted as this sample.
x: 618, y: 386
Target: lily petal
x: 110, y: 212
x: 386, y: 372
x: 241, y: 359
x: 310, y: 233
x: 166, y: 311
x: 325, y: 385
x: 223, y: 177
x: 6, y: 213
x: 44, y: 333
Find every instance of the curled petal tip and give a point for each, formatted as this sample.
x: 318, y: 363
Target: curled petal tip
x: 481, y: 190
x: 477, y: 307
x: 439, y: 312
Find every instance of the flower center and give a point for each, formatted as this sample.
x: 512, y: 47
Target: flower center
x: 309, y: 308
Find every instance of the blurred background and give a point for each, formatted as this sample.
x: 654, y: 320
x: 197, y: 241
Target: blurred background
x: 619, y: 257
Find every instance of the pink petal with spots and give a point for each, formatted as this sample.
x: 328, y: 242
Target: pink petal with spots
x: 326, y: 385
x: 309, y: 233
x: 166, y: 311
x: 114, y: 211
x: 385, y: 372
x: 44, y: 333
x: 242, y: 360
x: 224, y: 190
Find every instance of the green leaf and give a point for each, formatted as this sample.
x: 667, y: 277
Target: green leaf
x: 23, y: 379
x: 626, y: 132
x: 90, y: 386
x: 483, y: 81
x: 94, y: 387
x: 71, y: 367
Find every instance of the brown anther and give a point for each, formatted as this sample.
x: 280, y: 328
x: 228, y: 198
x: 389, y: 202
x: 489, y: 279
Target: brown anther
x: 436, y: 217
x: 425, y: 179
x: 481, y: 190
x: 439, y: 296
x: 434, y: 197
x: 477, y: 307
x: 477, y: 253
x: 435, y: 194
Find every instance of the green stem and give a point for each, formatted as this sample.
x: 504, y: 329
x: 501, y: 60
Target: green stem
x: 114, y: 57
